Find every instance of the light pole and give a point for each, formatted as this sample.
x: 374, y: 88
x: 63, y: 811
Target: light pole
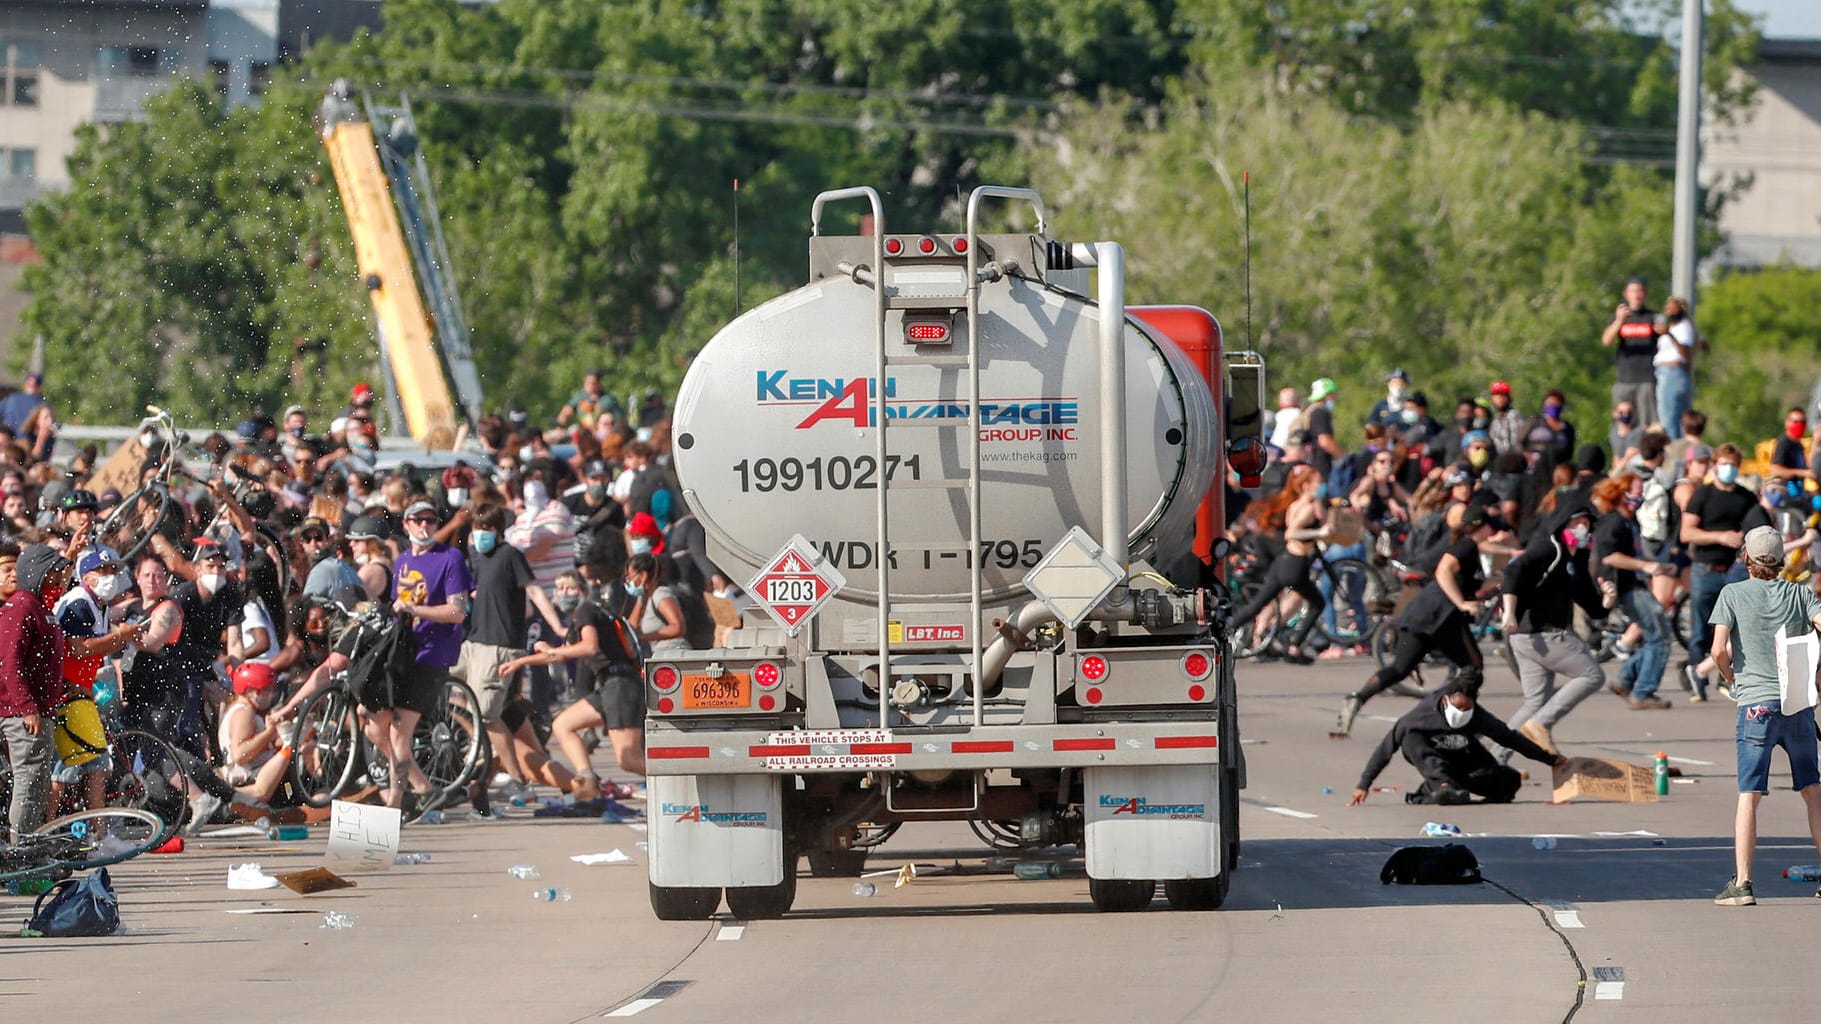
x: 1688, y: 157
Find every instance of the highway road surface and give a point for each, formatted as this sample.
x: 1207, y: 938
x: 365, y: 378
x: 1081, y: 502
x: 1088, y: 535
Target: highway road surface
x: 1615, y: 923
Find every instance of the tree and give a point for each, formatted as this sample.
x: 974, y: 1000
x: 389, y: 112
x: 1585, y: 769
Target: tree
x: 1764, y: 351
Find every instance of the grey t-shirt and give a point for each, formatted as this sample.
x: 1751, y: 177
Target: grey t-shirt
x: 652, y: 621
x: 1753, y: 610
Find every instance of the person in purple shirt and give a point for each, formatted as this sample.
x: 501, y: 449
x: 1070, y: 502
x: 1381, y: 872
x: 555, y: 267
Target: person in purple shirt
x: 431, y: 586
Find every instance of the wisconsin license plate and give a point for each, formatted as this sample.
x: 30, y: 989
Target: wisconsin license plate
x: 709, y: 693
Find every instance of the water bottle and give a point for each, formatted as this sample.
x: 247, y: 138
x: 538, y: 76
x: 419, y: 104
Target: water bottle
x: 1033, y: 869
x: 552, y: 895
x: 287, y: 833
x: 1662, y: 766
x: 1543, y: 842
x: 411, y: 858
x: 337, y: 919
x: 864, y: 889
x: 431, y: 817
x: 523, y: 871
x: 1803, y: 873
x: 1000, y: 863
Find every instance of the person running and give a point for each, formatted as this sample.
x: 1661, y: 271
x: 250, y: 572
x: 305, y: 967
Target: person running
x: 1542, y: 587
x: 1620, y: 563
x: 1440, y: 738
x: 1747, y: 619
x: 1297, y: 511
x: 1438, y: 620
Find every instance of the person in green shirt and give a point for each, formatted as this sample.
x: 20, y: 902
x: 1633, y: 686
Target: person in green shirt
x: 1746, y: 622
x: 591, y: 401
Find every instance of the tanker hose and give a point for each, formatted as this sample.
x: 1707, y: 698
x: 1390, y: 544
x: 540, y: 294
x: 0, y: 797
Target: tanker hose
x: 998, y: 653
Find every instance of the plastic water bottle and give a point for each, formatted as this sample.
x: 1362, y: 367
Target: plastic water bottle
x: 1803, y: 873
x: 551, y: 895
x: 864, y: 889
x: 523, y: 871
x: 337, y: 919
x: 1033, y: 869
x: 288, y: 833
x: 1662, y: 767
x: 411, y: 858
x: 1543, y: 842
x: 432, y: 817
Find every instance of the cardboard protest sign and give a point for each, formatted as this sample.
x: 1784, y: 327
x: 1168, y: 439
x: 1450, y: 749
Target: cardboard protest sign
x: 1796, y: 662
x: 1594, y: 778
x: 362, y: 837
x: 120, y: 471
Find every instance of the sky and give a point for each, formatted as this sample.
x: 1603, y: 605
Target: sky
x: 1787, y: 19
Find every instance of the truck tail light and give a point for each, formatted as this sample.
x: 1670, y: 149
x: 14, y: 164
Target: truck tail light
x: 665, y: 705
x: 1094, y: 668
x: 894, y: 246
x: 1197, y: 665
x: 926, y: 246
x: 961, y: 243
x: 665, y: 678
x: 767, y: 675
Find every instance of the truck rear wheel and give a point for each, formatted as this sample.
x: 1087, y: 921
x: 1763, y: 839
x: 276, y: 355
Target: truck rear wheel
x: 1196, y: 893
x: 836, y: 863
x: 679, y: 903
x: 763, y: 902
x: 1121, y: 895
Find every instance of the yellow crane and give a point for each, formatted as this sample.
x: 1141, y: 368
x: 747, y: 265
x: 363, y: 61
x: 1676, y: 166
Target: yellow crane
x: 432, y: 382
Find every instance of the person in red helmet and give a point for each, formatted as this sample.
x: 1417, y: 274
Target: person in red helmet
x: 254, y: 755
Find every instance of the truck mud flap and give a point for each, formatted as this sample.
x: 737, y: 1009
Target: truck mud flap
x: 1153, y: 821
x: 716, y: 830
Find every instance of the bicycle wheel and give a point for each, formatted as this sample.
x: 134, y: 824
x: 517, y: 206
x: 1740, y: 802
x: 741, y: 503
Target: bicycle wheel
x: 1384, y: 650
x: 147, y: 774
x: 125, y: 528
x: 101, y: 837
x: 1358, y: 594
x: 449, y: 744
x: 326, y: 747
x: 1256, y: 635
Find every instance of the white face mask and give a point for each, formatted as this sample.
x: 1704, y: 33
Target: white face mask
x: 212, y: 582
x: 458, y: 496
x: 1456, y: 717
x: 106, y: 588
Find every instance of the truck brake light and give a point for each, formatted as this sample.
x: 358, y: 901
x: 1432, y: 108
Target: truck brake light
x: 926, y: 246
x: 894, y: 246
x: 1094, y: 668
x: 767, y: 676
x: 1197, y: 666
x: 665, y: 678
x: 961, y: 243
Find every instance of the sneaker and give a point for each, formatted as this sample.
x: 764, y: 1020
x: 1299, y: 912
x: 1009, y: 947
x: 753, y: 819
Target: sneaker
x: 1450, y: 795
x: 1538, y: 733
x: 1737, y: 894
x: 1349, y: 710
x: 1299, y: 658
x: 1618, y: 691
x: 1696, y: 684
x: 1650, y: 703
x: 202, y: 811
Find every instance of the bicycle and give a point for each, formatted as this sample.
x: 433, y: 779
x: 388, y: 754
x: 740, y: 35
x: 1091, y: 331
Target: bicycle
x: 77, y: 842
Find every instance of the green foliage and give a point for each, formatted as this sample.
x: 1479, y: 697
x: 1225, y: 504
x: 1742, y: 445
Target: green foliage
x: 1764, y: 350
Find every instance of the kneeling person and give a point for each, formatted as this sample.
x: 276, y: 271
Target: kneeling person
x: 1440, y: 736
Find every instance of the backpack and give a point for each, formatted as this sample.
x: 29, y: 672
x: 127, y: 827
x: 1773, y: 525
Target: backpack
x: 382, y: 652
x: 1655, y: 513
x: 698, y: 621
x: 1428, y: 538
x: 622, y: 649
x: 77, y: 908
x: 1452, y: 864
x: 1344, y: 474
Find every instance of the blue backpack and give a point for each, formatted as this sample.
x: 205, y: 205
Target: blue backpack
x: 77, y: 907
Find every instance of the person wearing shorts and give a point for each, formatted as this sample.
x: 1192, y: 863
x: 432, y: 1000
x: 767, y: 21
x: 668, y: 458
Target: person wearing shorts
x: 1746, y: 621
x: 496, y: 631
x: 604, y: 649
x: 431, y: 585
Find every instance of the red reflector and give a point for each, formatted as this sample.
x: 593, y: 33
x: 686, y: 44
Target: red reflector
x: 666, y: 705
x: 961, y: 243
x: 926, y: 246
x: 767, y: 675
x: 1197, y: 666
x: 983, y: 747
x: 1097, y: 743
x: 1184, y: 742
x: 767, y: 702
x: 926, y: 332
x: 1196, y: 692
x: 779, y: 750
x: 1094, y: 668
x: 1092, y: 696
x: 665, y: 677
x: 893, y: 247
x: 879, y: 748
x: 675, y: 753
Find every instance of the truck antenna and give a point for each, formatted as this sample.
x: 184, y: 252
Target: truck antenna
x: 736, y: 247
x: 1246, y: 178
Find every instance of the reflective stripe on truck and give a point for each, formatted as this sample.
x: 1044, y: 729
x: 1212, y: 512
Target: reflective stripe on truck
x: 695, y: 753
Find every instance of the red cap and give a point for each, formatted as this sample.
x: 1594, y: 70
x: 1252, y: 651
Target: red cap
x: 362, y: 390
x: 1499, y: 387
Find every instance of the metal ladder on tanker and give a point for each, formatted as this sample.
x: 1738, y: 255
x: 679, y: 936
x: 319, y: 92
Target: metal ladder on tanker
x: 969, y: 485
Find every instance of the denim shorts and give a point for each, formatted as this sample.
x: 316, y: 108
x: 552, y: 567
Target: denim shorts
x: 70, y: 775
x: 1763, y: 728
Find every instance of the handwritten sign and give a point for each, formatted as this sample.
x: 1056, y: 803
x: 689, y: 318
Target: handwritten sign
x: 362, y: 837
x: 1593, y: 778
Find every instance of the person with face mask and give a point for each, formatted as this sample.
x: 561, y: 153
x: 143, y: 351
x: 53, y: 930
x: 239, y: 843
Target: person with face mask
x: 1542, y: 586
x: 643, y: 537
x: 1550, y: 432
x: 503, y: 582
x: 544, y: 531
x: 332, y: 575
x: 1440, y: 737
x: 591, y: 505
x: 1714, y: 524
x: 1388, y: 411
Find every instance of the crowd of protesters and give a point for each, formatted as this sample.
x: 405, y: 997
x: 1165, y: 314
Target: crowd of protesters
x: 538, y: 565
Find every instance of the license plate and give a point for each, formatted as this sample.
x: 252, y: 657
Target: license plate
x: 708, y: 693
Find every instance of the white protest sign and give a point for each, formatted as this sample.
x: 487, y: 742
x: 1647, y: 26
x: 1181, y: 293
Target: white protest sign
x: 1796, y: 662
x: 362, y: 837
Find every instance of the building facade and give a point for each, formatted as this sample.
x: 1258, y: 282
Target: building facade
x: 1776, y: 218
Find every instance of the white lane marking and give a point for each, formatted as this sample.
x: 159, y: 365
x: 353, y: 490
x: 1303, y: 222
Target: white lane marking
x: 1690, y: 760
x: 1609, y: 990
x: 730, y: 933
x: 637, y: 1006
x: 1568, y: 919
x: 1672, y: 759
x: 636, y: 826
x: 1289, y: 813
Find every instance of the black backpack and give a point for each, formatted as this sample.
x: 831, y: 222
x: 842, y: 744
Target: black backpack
x: 1428, y: 539
x: 698, y: 622
x: 622, y: 649
x: 380, y: 650
x: 1452, y: 864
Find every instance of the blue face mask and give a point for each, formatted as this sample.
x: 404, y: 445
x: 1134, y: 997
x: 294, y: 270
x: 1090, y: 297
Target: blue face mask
x: 1321, y: 491
x: 641, y: 545
x: 635, y: 589
x: 1726, y: 473
x: 484, y: 541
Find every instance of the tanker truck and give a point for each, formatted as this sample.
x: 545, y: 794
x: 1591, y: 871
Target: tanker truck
x: 978, y: 501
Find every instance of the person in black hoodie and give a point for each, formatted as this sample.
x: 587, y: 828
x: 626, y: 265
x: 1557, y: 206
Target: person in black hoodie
x: 1440, y: 737
x: 1542, y: 587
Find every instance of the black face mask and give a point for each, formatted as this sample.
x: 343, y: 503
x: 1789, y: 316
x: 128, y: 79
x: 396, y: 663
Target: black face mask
x: 1464, y: 422
x: 297, y: 432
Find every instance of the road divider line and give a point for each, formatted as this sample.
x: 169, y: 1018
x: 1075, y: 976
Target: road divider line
x: 1290, y: 812
x: 637, y: 1006
x: 1609, y: 990
x: 1568, y: 919
x: 730, y: 932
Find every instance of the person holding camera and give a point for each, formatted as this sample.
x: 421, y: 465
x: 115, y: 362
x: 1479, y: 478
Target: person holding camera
x: 1633, y: 330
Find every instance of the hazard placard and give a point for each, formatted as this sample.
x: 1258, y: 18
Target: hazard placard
x: 795, y: 584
